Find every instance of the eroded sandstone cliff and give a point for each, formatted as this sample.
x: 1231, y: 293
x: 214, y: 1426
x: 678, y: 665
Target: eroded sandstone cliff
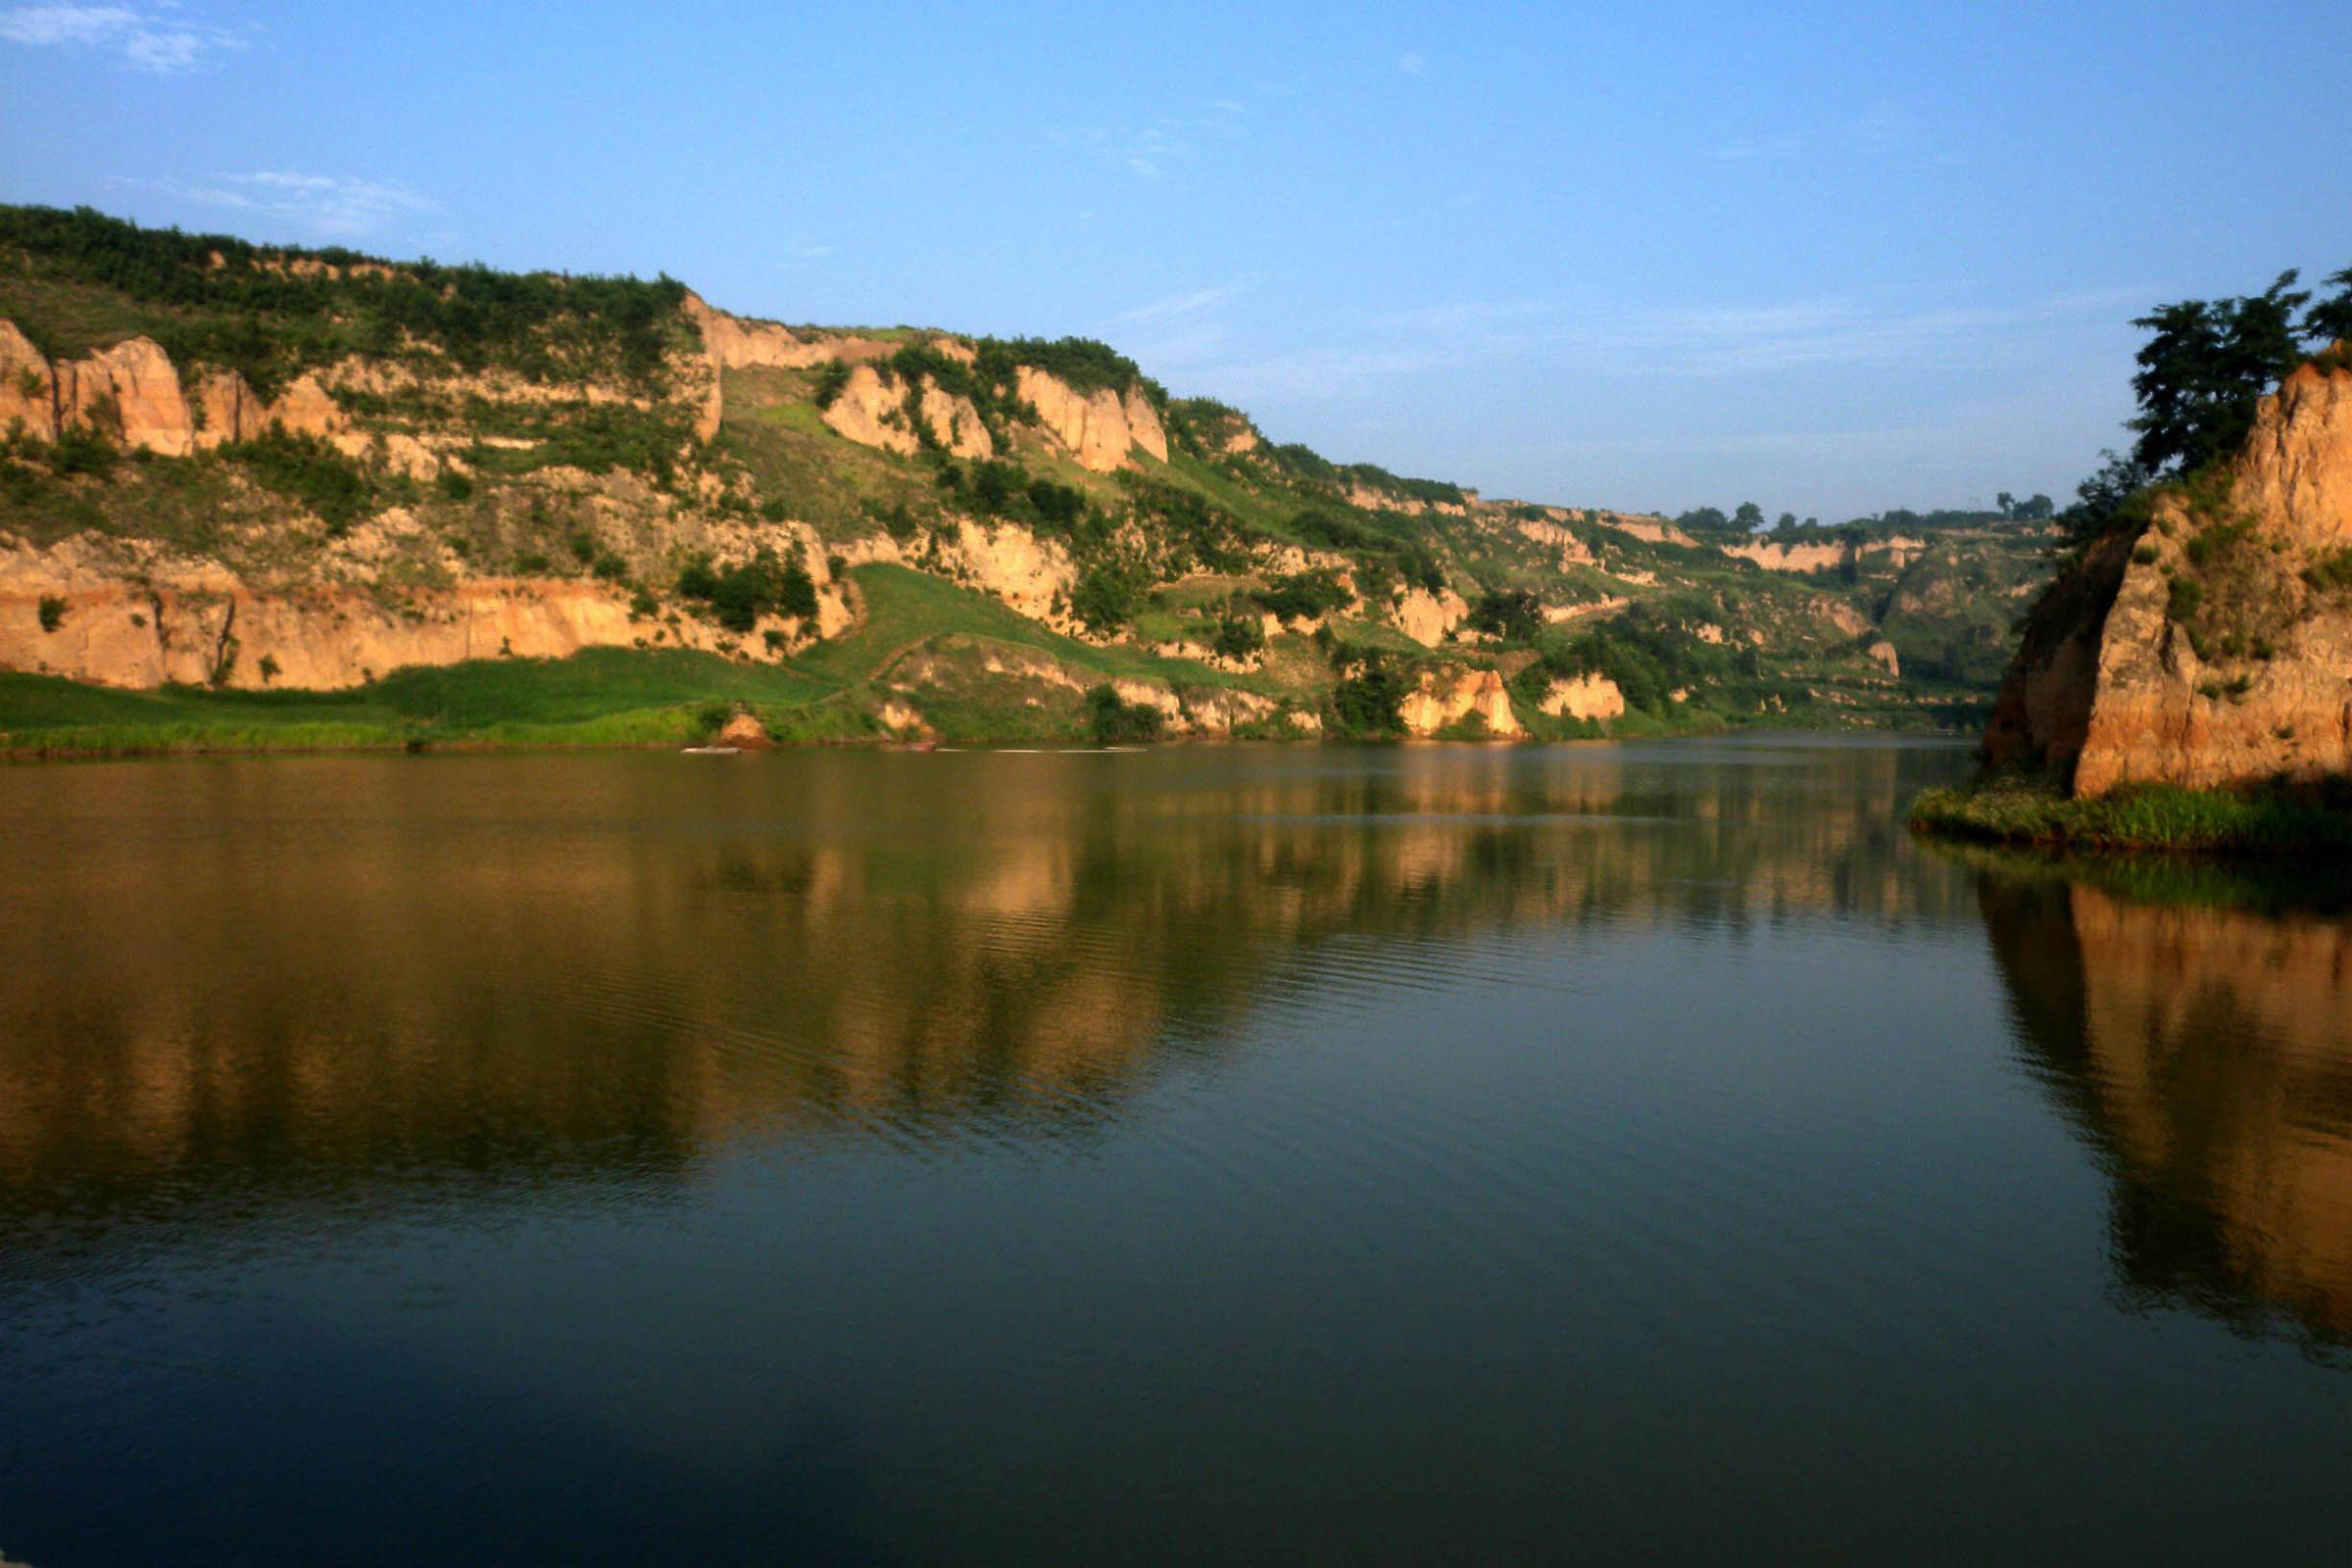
x: 1448, y: 697
x: 2208, y: 640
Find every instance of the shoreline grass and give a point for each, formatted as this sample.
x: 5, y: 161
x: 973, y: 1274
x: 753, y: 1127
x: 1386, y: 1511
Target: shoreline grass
x: 623, y: 697
x: 2149, y: 819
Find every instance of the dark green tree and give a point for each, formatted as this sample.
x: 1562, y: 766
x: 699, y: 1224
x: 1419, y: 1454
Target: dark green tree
x: 2206, y: 364
x: 1112, y: 720
x: 2330, y: 317
x: 1514, y: 616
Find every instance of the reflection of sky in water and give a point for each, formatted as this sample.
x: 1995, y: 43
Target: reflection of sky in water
x: 1236, y: 1150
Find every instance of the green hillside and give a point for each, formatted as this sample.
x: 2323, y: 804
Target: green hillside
x: 830, y: 530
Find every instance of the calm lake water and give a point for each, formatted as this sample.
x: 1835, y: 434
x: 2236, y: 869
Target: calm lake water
x: 1597, y: 1153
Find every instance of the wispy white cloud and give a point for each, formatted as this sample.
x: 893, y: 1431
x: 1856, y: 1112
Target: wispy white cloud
x: 160, y: 39
x: 1689, y: 342
x: 1412, y: 65
x: 1169, y: 142
x: 1193, y: 303
x: 1865, y: 136
x: 329, y: 206
x: 1731, y: 340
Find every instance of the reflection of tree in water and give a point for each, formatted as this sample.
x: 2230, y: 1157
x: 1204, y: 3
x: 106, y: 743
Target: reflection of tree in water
x: 2205, y: 1053
x: 332, y: 983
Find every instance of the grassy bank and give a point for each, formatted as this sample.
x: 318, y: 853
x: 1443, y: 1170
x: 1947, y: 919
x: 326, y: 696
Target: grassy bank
x: 618, y: 697
x: 603, y: 696
x: 599, y: 696
x: 2157, y: 819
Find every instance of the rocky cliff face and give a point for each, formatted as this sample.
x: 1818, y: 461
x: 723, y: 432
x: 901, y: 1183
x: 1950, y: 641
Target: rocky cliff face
x: 1588, y: 696
x: 734, y: 344
x: 550, y: 472
x: 1448, y: 696
x: 1427, y: 617
x: 138, y: 617
x: 1100, y: 427
x: 2211, y: 643
x: 133, y: 394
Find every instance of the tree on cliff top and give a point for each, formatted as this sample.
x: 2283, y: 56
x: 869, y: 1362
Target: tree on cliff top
x: 2207, y: 364
x: 2330, y: 319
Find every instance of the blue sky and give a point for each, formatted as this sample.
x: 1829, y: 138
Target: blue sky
x: 1827, y: 258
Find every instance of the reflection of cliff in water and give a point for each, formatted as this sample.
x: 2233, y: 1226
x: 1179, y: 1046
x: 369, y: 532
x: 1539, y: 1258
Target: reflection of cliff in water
x: 310, y: 977
x: 2206, y: 1055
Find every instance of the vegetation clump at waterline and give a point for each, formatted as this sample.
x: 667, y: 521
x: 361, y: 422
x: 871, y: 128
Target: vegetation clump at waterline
x: 2266, y: 822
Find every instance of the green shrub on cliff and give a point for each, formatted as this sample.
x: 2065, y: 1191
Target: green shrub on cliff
x: 270, y: 313
x: 1515, y: 615
x: 1303, y: 595
x: 310, y: 470
x: 1112, y: 720
x: 739, y: 595
x: 1107, y: 597
x: 1368, y: 701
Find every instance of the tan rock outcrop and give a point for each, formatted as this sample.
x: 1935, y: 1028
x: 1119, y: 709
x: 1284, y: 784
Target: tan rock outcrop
x: 225, y: 408
x: 1772, y: 556
x: 1099, y: 428
x: 1849, y: 622
x: 900, y: 717
x: 1427, y: 617
x: 134, y: 380
x: 2209, y: 646
x: 1573, y: 552
x: 744, y: 733
x: 1590, y: 696
x: 1884, y: 652
x: 196, y: 623
x: 869, y: 411
x: 734, y: 343
x: 1157, y: 696
x: 1221, y: 710
x: 1655, y: 530
x: 137, y: 615
x: 307, y: 409
x: 955, y: 423
x: 1032, y: 575
x: 1451, y: 695
x: 28, y: 386
x: 2298, y: 461
x: 1559, y: 614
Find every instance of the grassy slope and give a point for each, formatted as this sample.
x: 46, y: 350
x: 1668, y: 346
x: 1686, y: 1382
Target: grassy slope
x: 774, y: 447
x: 599, y: 696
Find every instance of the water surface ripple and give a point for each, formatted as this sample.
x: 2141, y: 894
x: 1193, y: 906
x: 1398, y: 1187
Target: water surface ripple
x: 1613, y: 1153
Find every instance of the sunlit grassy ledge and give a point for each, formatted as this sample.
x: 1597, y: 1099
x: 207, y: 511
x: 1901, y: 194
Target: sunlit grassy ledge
x: 2141, y: 819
